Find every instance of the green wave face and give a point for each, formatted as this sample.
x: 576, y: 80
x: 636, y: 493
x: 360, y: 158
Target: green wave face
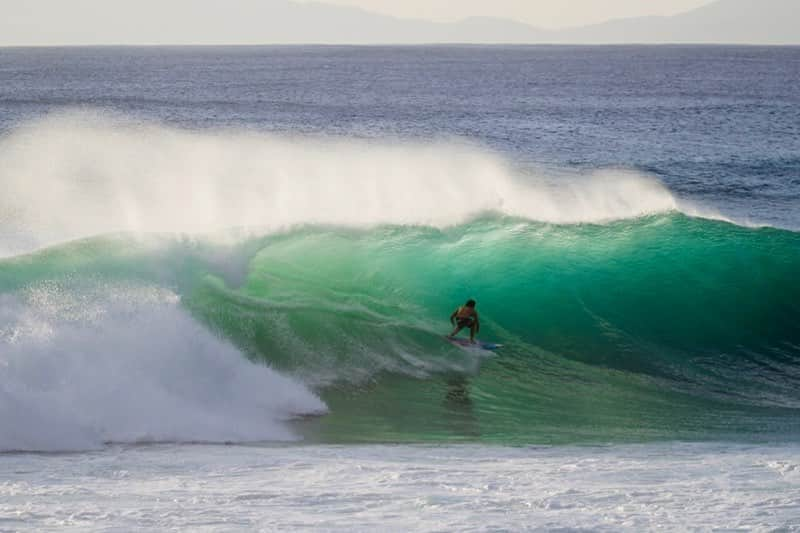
x: 666, y: 327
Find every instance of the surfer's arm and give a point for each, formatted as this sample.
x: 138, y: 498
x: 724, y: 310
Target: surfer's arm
x: 477, y: 323
x: 453, y: 317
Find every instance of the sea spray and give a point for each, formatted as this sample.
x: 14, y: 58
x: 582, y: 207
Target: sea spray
x: 105, y: 174
x: 80, y: 367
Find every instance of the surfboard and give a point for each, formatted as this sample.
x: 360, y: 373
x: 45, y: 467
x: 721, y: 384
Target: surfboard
x: 481, y: 345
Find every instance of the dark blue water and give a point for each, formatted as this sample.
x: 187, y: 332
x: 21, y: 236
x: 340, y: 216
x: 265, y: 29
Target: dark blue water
x: 719, y: 125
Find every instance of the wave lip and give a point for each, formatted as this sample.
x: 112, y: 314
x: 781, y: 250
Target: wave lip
x: 78, y: 373
x: 108, y: 174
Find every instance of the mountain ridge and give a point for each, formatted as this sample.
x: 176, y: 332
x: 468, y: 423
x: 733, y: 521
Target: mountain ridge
x: 181, y: 22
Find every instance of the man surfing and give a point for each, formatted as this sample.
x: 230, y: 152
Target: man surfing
x: 465, y: 317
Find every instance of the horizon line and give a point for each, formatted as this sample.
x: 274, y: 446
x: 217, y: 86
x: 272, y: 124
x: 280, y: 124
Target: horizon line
x: 402, y: 45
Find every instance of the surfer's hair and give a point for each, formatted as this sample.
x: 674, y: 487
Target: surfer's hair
x: 470, y: 303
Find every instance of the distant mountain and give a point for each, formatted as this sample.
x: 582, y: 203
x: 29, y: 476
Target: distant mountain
x: 723, y: 21
x: 231, y: 22
x: 34, y: 22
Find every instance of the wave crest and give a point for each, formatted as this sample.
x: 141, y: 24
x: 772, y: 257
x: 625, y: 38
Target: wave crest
x: 78, y: 174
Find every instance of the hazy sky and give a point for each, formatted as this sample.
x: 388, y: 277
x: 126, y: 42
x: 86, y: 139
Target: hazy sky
x: 541, y: 13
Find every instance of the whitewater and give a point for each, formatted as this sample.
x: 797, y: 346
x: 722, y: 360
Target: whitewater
x: 230, y: 315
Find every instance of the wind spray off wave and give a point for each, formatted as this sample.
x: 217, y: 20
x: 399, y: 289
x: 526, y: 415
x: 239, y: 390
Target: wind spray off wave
x: 74, y: 175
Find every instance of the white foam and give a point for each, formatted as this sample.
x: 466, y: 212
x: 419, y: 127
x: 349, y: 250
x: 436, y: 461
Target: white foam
x: 648, y: 487
x: 78, y: 174
x: 127, y: 364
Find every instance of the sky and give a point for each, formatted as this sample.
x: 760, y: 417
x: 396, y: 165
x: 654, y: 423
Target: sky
x: 540, y: 13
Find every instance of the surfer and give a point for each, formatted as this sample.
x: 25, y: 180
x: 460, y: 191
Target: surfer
x: 465, y: 317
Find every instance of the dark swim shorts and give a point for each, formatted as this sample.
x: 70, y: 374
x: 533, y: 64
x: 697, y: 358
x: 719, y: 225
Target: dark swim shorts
x: 465, y: 322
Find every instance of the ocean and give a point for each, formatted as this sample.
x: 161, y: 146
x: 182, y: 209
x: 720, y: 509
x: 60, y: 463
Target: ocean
x: 226, y: 273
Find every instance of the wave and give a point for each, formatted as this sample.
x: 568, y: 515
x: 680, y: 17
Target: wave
x: 170, y: 285
x: 659, y: 327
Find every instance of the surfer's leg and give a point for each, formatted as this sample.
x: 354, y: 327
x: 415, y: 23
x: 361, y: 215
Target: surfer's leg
x: 455, y: 331
x: 472, y: 328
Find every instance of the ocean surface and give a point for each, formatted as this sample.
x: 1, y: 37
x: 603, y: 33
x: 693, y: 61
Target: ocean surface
x: 225, y: 274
